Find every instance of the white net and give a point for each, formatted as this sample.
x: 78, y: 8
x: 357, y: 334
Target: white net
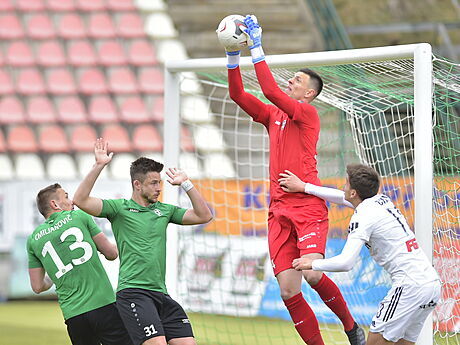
x: 367, y: 115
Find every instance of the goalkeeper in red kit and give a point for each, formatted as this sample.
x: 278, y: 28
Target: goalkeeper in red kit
x: 297, y: 223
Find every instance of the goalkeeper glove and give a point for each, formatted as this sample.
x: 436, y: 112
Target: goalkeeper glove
x: 233, y: 59
x: 254, y: 32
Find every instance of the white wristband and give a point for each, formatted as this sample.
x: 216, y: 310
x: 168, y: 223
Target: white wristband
x: 306, y: 189
x: 187, y: 185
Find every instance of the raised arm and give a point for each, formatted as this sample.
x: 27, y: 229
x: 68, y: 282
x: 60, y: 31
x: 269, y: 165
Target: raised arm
x: 82, y: 197
x: 39, y: 281
x: 108, y: 249
x: 200, y: 212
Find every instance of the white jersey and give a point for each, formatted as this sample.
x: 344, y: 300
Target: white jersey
x: 391, y: 242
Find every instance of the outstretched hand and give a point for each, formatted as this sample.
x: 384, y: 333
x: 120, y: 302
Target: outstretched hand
x: 289, y: 182
x: 302, y: 263
x: 253, y: 31
x: 100, y: 152
x: 176, y: 176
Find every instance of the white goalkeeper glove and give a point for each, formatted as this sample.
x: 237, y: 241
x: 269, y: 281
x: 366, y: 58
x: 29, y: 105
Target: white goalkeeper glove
x: 254, y: 32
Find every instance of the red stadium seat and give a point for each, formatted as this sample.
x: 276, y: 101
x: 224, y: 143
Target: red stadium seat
x: 82, y: 138
x: 19, y: 54
x: 158, y: 110
x: 147, y: 139
x: 61, y: 5
x: 10, y: 27
x: 40, y: 110
x: 52, y: 138
x: 11, y: 111
x: 111, y: 53
x: 30, y: 5
x: 50, y: 54
x: 30, y: 82
x: 133, y: 110
x: 117, y: 137
x: 122, y: 80
x: 92, y: 81
x: 186, y: 140
x: 91, y: 5
x: 6, y: 85
x: 121, y: 5
x: 130, y: 25
x: 2, y: 143
x: 71, y: 26
x: 71, y: 110
x: 21, y: 139
x: 101, y: 26
x: 61, y: 82
x: 7, y: 5
x: 102, y: 110
x: 2, y: 59
x: 141, y: 53
x: 81, y: 53
x: 151, y: 80
x: 39, y: 26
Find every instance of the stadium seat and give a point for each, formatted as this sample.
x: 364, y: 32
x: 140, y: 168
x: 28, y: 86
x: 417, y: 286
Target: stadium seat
x: 19, y: 54
x: 50, y: 54
x: 218, y: 165
x: 40, y: 110
x: 61, y: 167
x: 121, y: 5
x: 11, y: 111
x: 151, y: 80
x: 100, y: 25
x: 158, y: 110
x: 191, y: 165
x: 7, y: 171
x: 21, y: 139
x: 7, y: 5
x: 208, y: 138
x: 119, y: 166
x: 82, y: 138
x: 195, y: 109
x: 52, y: 138
x: 133, y: 110
x: 85, y: 162
x: 30, y: 82
x: 10, y: 27
x: 39, y: 26
x: 90, y: 5
x: 142, y: 53
x: 122, y: 80
x: 102, y: 110
x: 71, y: 110
x: 186, y: 140
x: 150, y: 5
x: 81, y: 53
x: 130, y: 25
x: 146, y: 138
x: 171, y: 50
x: 159, y: 25
x: 2, y: 143
x: 61, y: 5
x: 6, y: 85
x: 117, y: 137
x: 30, y: 5
x: 70, y: 26
x: 92, y: 81
x: 2, y: 59
x: 29, y: 167
x: 110, y: 53
x: 61, y: 82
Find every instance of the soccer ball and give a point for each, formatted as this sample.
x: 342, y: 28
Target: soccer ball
x: 230, y: 32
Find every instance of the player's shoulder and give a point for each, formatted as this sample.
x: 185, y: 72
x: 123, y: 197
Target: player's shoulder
x: 370, y: 208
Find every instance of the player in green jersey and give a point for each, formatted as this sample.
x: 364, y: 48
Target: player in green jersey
x: 151, y: 316
x: 65, y: 247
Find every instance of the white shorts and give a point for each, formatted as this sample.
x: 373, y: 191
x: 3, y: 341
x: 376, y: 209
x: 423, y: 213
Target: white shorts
x: 404, y: 309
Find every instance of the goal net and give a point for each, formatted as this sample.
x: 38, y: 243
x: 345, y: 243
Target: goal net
x: 370, y: 112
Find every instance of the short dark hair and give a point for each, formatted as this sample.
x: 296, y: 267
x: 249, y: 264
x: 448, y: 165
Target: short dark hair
x: 364, y: 179
x: 44, y: 196
x: 142, y: 166
x: 317, y: 82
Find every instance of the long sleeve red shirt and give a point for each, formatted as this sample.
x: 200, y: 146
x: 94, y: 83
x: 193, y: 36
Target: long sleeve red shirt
x: 293, y: 128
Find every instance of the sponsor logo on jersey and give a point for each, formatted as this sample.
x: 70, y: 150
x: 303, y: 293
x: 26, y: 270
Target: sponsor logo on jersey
x: 277, y: 123
x: 273, y: 264
x: 298, y: 323
x: 432, y: 304
x: 283, y: 125
x: 307, y: 236
x: 133, y: 210
x: 311, y: 246
x: 352, y: 227
x: 185, y: 321
x: 158, y: 212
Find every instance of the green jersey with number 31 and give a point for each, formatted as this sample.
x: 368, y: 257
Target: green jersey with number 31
x: 64, y: 247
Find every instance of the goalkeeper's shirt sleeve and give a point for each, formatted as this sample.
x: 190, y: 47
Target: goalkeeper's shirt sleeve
x: 342, y: 262
x: 332, y: 195
x: 255, y: 108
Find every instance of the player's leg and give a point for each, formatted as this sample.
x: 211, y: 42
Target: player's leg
x: 377, y: 339
x: 80, y: 331
x: 176, y: 324
x: 139, y: 313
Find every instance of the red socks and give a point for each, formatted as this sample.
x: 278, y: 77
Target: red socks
x: 332, y: 297
x: 304, y: 319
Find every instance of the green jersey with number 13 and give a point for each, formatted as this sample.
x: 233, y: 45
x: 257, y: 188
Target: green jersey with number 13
x: 64, y: 247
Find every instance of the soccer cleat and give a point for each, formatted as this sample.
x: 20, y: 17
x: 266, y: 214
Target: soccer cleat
x: 356, y: 335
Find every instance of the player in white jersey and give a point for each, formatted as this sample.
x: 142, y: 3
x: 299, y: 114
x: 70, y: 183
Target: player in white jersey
x: 379, y: 225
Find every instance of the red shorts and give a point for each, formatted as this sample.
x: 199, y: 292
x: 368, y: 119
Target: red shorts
x: 296, y: 231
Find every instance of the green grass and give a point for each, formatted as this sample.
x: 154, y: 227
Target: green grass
x: 41, y: 323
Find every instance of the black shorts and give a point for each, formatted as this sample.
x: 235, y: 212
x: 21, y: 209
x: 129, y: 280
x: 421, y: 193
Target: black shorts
x: 101, y: 325
x: 148, y: 314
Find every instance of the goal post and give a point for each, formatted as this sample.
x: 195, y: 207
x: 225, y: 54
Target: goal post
x: 379, y: 103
